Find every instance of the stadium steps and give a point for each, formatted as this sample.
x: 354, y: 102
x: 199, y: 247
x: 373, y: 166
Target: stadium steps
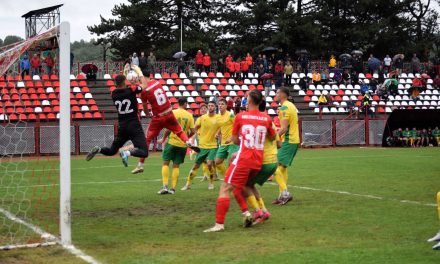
x: 101, y: 94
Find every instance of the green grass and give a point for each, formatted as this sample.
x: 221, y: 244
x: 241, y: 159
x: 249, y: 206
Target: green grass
x: 127, y: 222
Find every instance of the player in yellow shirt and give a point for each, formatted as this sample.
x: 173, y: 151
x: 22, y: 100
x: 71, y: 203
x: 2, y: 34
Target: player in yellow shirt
x: 288, y: 116
x: 436, y: 238
x: 206, y: 126
x: 175, y: 148
x: 227, y: 148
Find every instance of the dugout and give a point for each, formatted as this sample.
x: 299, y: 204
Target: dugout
x: 419, y: 118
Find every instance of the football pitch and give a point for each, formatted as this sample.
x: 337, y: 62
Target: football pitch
x: 351, y: 205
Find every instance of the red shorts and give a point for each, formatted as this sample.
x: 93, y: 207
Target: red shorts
x: 157, y: 123
x: 238, y: 175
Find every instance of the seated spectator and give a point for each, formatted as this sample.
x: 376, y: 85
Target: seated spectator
x: 323, y: 99
x: 354, y: 78
x: 324, y: 76
x: 373, y: 85
x: 346, y: 77
x: 424, y: 138
x: 436, y: 136
x: 414, y: 137
x: 406, y: 135
x: 436, y: 82
x: 316, y: 77
x: 304, y: 83
x: 397, y: 134
x: 382, y: 92
x: 338, y: 77
x: 332, y: 62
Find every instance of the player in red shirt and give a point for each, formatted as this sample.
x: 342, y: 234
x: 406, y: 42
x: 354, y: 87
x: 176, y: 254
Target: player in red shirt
x: 162, y: 117
x: 249, y: 132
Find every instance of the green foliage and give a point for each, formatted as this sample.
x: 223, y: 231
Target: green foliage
x: 88, y: 51
x: 240, y: 26
x: 11, y: 39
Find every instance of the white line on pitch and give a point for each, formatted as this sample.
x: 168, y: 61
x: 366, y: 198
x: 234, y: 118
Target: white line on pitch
x: 71, y: 248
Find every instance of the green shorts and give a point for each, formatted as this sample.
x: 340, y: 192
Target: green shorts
x: 173, y: 153
x: 205, y: 154
x: 266, y: 171
x: 286, y: 153
x: 226, y: 151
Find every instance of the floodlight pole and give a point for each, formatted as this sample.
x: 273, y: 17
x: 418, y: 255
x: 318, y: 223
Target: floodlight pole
x: 65, y: 213
x: 181, y: 33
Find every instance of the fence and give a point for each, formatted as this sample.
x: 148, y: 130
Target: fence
x: 40, y: 139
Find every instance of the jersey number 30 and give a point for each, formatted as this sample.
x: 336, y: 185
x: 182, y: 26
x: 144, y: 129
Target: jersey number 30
x: 254, y: 136
x: 161, y: 99
x: 125, y: 103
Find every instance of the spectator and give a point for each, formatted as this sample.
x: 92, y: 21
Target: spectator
x: 249, y: 62
x: 366, y: 104
x: 324, y: 76
x: 381, y: 75
x: 273, y: 59
x: 265, y: 63
x: 288, y: 71
x: 304, y: 83
x: 373, y: 85
x: 332, y: 62
x: 151, y: 62
x: 316, y: 77
x: 259, y: 60
x: 436, y: 136
x: 279, y: 71
x: 180, y: 66
x: 424, y: 138
x: 25, y: 66
x: 322, y: 100
x: 436, y: 82
x: 237, y: 105
x: 287, y: 58
x: 207, y: 62
x: 364, y: 88
x: 199, y: 61
x: 220, y: 65
x: 358, y: 64
x: 387, y: 63
x: 245, y: 67
x: 371, y: 68
x: 415, y: 64
x: 49, y: 64
x: 354, y: 78
x: 143, y: 63
x: 406, y: 135
x: 237, y: 69
x: 244, y: 103
x: 36, y: 64
x: 135, y: 59
x: 303, y: 62
x: 398, y: 64
x: 414, y: 138
x: 228, y: 59
x: 346, y: 77
x: 338, y: 77
x: 231, y: 67
x: 230, y: 104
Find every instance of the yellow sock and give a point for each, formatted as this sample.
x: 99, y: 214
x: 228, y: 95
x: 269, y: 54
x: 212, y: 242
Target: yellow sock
x: 252, y: 201
x: 174, y: 177
x: 165, y: 174
x: 279, y: 178
x: 205, y: 169
x: 211, y: 174
x: 438, y: 204
x: 261, y: 203
x: 285, y: 175
x: 221, y: 168
x: 191, y: 176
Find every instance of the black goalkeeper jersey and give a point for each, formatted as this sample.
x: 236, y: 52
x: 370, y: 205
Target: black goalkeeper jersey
x: 126, y: 103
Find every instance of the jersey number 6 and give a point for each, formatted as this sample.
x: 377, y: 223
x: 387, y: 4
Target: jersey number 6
x: 160, y: 97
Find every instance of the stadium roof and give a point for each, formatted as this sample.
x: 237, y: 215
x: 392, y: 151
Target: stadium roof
x: 41, y: 11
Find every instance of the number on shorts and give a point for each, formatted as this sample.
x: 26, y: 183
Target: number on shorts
x: 120, y: 105
x: 161, y: 99
x: 254, y: 136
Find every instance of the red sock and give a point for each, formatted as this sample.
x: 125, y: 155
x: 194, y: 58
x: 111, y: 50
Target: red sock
x: 142, y: 160
x: 182, y: 135
x: 221, y: 210
x: 240, y: 199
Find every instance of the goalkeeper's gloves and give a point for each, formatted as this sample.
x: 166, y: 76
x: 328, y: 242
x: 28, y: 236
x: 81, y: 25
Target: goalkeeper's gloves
x: 137, y: 70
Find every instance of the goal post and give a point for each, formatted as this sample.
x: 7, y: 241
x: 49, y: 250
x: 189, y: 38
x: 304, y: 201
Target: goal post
x: 65, y: 169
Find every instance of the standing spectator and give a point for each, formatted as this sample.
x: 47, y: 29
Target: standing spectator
x: 398, y: 64
x: 143, y: 63
x: 370, y: 67
x: 354, y: 78
x: 231, y: 67
x: 237, y: 105
x: 381, y: 75
x: 273, y: 59
x: 245, y: 67
x: 316, y: 77
x: 332, y: 62
x: 288, y: 71
x: 207, y: 62
x: 436, y: 82
x: 230, y: 104
x: 220, y: 65
x: 279, y: 72
x: 260, y: 71
x: 358, y: 64
x: 244, y: 103
x: 181, y: 66
x: 304, y: 63
x: 135, y: 59
x: 36, y: 64
x: 259, y: 60
x: 237, y: 69
x: 151, y: 62
x: 229, y: 59
x: 49, y: 64
x: 346, y: 77
x: 249, y: 62
x: 387, y: 63
x: 287, y: 58
x: 199, y: 61
x: 25, y: 66
x: 415, y: 64
x: 265, y: 63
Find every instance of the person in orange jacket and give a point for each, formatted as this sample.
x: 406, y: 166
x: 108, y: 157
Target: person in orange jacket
x: 249, y: 61
x: 229, y: 59
x: 199, y: 61
x: 207, y: 62
x: 244, y: 68
x: 231, y: 67
x: 237, y: 69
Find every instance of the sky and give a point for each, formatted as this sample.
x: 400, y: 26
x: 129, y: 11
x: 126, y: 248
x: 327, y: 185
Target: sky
x: 80, y: 14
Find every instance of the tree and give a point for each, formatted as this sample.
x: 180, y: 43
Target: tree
x: 1, y: 42
x: 11, y: 39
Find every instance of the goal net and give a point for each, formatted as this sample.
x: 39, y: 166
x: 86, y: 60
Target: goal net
x: 30, y: 148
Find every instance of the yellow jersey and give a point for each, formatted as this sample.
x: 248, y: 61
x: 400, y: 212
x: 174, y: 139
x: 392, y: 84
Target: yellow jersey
x: 225, y: 121
x: 271, y: 150
x: 288, y: 112
x: 186, y: 121
x: 207, y: 131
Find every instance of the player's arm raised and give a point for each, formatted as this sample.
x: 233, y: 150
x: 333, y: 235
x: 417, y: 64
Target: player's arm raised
x: 165, y: 135
x: 142, y: 78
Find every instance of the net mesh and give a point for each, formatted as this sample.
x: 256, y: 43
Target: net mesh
x: 317, y: 133
x: 350, y: 132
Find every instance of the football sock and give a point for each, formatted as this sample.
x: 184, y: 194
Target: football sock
x: 205, y: 169
x: 191, y: 176
x: 174, y: 177
x: 240, y: 199
x: 261, y: 203
x: 221, y: 168
x: 127, y: 152
x: 140, y: 164
x: 285, y: 175
x: 253, y: 202
x: 279, y: 178
x: 222, y: 208
x: 211, y: 174
x: 438, y: 204
x: 141, y: 161
x: 165, y: 174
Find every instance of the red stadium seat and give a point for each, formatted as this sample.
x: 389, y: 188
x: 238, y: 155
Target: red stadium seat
x: 165, y: 75
x: 27, y: 103
x: 178, y: 82
x: 51, y: 116
x: 199, y: 99
x: 82, y: 102
x: 194, y: 106
x: 190, y: 88
x: 55, y: 102
x: 47, y: 109
x: 54, y: 77
x: 88, y: 115
x: 80, y: 76
x: 73, y: 102
x: 56, y: 109
x: 85, y: 89
x: 110, y: 83
x: 79, y: 96
x: 220, y: 88
x: 211, y: 75
x: 94, y: 108
x: 47, y: 84
x: 52, y: 96
x: 82, y: 83
x: 22, y: 117
x: 75, y: 108
x: 41, y: 116
x: 173, y: 100
x: 78, y: 116
x: 29, y: 84
x: 38, y: 84
x: 174, y: 76
x: 27, y: 78
x: 307, y: 98
x: 13, y: 117
x: 173, y: 88
x: 341, y: 92
x: 207, y: 81
x: 91, y: 102
x: 32, y: 117
x: 204, y: 87
x: 45, y: 77
x: 227, y: 75
x: 97, y: 115
x: 224, y: 93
